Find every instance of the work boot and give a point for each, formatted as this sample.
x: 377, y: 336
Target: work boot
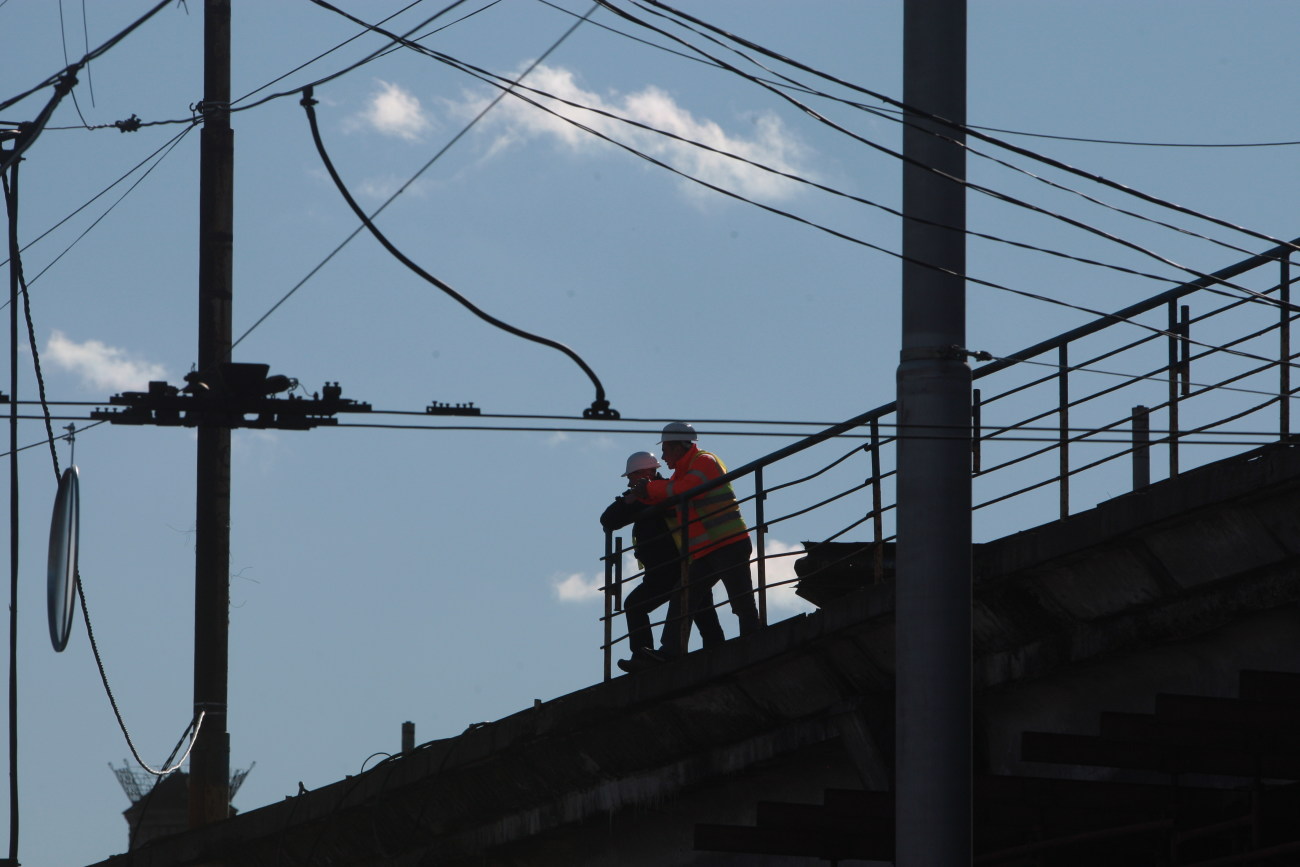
x: 642, y: 658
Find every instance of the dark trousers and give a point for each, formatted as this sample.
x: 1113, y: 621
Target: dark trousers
x: 730, y: 565
x: 655, y: 589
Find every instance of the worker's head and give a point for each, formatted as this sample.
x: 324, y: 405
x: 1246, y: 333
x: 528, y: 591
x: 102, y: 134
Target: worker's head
x: 676, y: 440
x: 640, y: 465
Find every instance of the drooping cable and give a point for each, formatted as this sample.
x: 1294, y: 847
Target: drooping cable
x: 20, y: 287
x: 16, y: 268
x: 11, y: 208
x: 85, y: 46
x: 63, y: 35
x: 428, y: 163
x: 600, y: 406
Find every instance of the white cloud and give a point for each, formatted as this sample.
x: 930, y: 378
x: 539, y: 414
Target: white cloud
x: 577, y: 587
x: 100, y: 366
x: 396, y: 112
x: 782, y: 600
x: 768, y: 143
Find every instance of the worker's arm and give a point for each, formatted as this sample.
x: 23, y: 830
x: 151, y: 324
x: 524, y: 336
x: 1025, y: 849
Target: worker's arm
x: 622, y: 511
x: 703, y: 468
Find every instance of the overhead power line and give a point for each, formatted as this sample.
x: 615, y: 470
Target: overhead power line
x: 1057, y: 164
x: 899, y: 116
x: 995, y: 194
x: 984, y: 127
x: 514, y: 90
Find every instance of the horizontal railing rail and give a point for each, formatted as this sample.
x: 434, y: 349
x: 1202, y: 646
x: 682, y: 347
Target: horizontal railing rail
x: 1240, y: 349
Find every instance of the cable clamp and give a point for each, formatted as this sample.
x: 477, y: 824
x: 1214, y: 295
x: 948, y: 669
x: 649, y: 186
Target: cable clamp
x: 131, y: 124
x: 600, y: 409
x: 307, y: 97
x: 943, y: 353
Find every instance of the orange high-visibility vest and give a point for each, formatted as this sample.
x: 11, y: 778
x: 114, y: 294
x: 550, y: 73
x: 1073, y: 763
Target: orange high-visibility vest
x: 714, y: 516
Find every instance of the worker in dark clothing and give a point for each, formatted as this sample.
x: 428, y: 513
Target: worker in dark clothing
x: 656, y: 547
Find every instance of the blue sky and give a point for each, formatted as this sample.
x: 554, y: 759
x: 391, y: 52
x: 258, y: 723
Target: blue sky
x: 445, y: 576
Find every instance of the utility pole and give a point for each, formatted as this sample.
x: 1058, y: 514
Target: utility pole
x: 210, y: 759
x: 933, y: 626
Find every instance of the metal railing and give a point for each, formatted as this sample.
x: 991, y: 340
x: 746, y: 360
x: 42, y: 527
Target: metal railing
x: 1201, y: 371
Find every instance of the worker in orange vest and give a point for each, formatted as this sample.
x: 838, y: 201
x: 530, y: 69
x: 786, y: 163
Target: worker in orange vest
x: 717, y: 538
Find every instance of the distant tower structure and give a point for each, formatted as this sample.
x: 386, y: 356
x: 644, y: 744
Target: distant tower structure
x: 160, y: 805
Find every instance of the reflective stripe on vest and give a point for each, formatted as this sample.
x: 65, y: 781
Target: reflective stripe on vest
x: 714, y: 515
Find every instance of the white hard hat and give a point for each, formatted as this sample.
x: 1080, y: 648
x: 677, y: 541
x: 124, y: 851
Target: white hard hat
x: 678, y: 432
x: 641, y: 461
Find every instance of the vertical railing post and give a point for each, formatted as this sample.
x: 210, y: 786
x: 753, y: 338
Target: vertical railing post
x: 1174, y: 355
x: 760, y: 537
x: 1063, y: 411
x: 877, y: 519
x: 609, y: 602
x: 1141, y: 448
x: 1284, y: 351
x: 683, y: 625
x: 1185, y: 348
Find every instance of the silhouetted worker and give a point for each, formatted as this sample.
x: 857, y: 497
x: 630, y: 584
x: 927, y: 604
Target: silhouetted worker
x: 717, y: 538
x: 656, y: 548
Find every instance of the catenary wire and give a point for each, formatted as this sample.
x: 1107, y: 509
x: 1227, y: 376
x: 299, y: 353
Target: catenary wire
x: 897, y: 116
x: 485, y: 75
x: 699, y: 423
x: 847, y: 237
x: 984, y: 127
x: 900, y: 116
x: 965, y: 183
x: 976, y: 133
x: 976, y: 234
x: 489, y: 78
x: 1060, y: 254
x: 1051, y: 432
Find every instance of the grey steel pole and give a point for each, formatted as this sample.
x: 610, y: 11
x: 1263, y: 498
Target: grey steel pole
x: 933, y: 633
x: 210, y: 760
